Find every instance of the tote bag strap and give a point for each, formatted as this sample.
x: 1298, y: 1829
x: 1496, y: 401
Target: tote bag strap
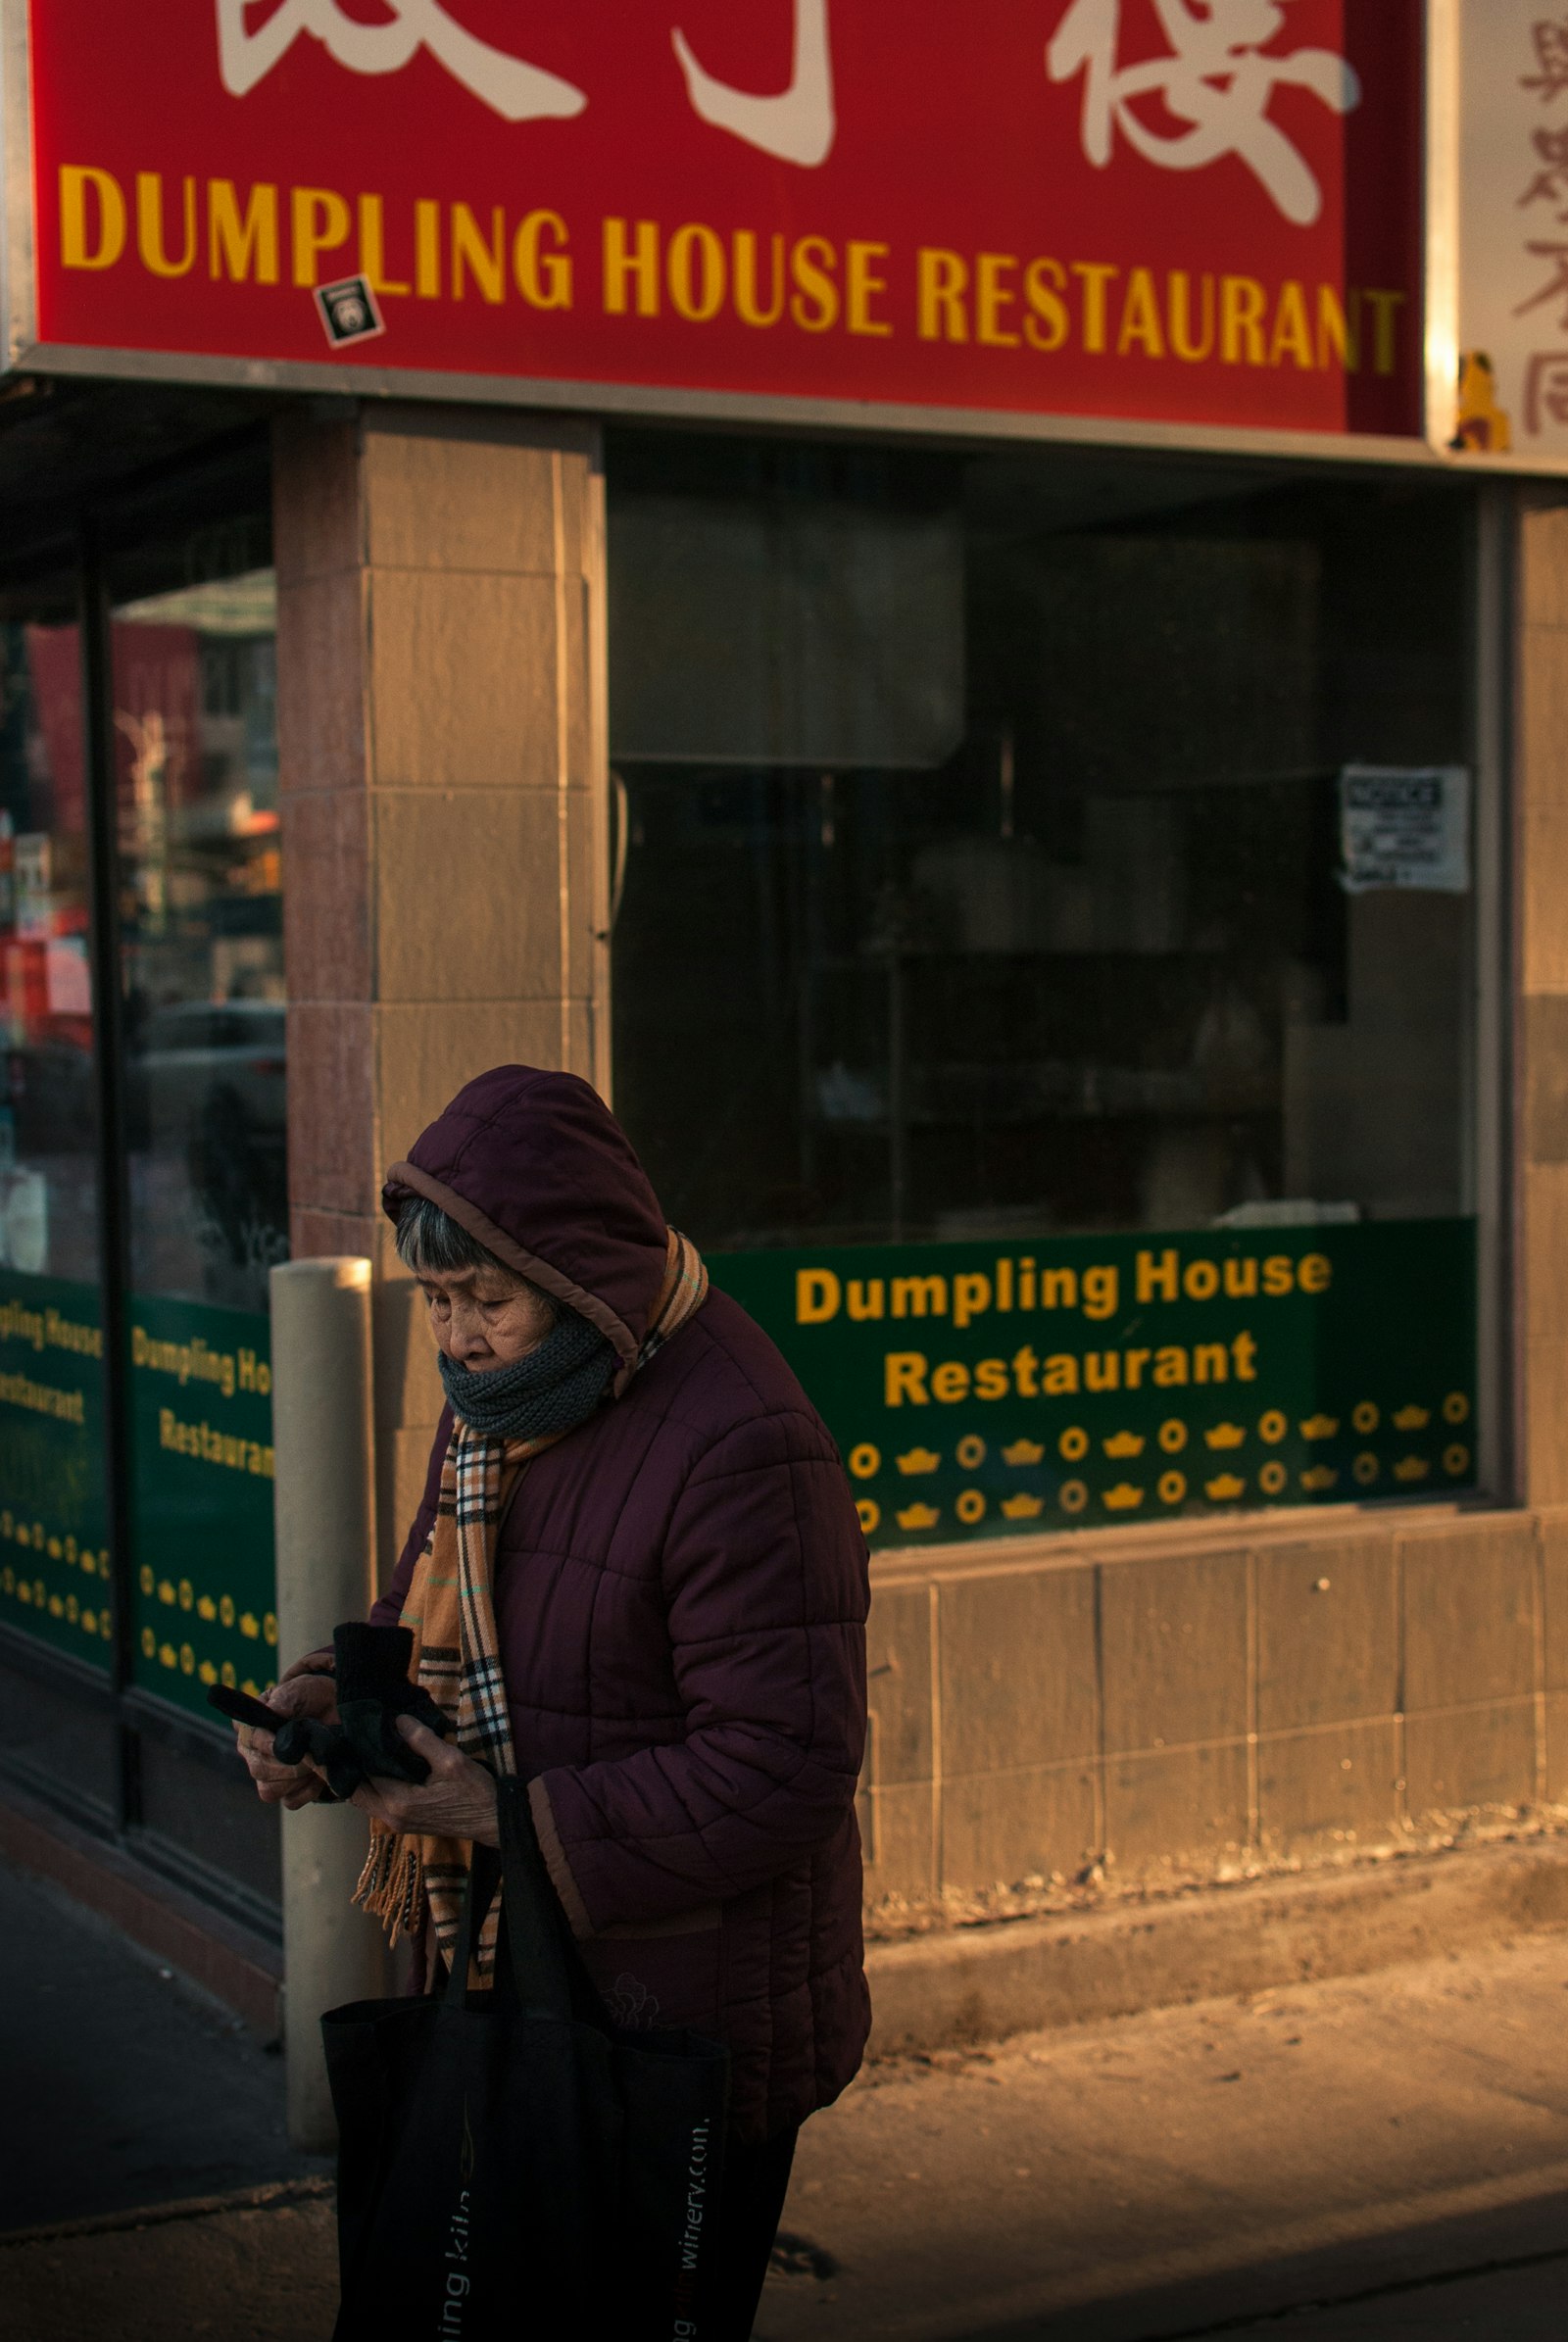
x: 549, y: 1976
x: 484, y: 1872
x: 540, y: 1960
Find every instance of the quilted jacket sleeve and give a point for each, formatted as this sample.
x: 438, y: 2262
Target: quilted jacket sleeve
x: 389, y: 1609
x: 765, y: 1582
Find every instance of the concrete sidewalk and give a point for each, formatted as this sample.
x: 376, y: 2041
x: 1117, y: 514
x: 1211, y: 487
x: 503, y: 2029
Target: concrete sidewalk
x: 123, y: 2085
x: 1384, y: 2156
x: 1193, y: 2170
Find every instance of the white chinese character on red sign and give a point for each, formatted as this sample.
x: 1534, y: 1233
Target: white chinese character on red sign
x: 1214, y: 77
x: 519, y: 93
x: 796, y: 125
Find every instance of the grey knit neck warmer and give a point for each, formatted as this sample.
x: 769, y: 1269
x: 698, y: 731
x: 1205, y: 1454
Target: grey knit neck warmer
x: 551, y: 1390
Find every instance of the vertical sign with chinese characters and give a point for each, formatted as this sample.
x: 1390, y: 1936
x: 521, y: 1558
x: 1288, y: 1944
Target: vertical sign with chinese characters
x: 1511, y: 393
x: 1177, y: 211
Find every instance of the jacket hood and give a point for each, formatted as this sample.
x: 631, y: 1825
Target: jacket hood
x: 537, y: 1168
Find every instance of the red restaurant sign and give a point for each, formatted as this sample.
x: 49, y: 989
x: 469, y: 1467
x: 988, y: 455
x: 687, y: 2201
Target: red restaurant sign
x: 1199, y: 212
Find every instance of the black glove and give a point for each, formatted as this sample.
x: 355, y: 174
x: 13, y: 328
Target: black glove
x: 372, y: 1667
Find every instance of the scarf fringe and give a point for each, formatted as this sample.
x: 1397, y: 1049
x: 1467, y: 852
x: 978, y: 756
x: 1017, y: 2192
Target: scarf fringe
x: 391, y: 1885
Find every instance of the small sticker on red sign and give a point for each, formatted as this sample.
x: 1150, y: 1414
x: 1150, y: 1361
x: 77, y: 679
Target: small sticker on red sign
x: 349, y: 311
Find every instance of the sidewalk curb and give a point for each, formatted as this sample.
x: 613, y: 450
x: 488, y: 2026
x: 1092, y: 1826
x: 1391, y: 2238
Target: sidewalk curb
x: 214, y: 1951
x: 271, y: 2196
x: 979, y: 1984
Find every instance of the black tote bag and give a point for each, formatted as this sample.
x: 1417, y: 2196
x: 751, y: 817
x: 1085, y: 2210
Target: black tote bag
x: 510, y: 2162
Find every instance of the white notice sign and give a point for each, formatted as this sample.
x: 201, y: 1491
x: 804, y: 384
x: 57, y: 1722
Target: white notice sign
x: 1404, y: 826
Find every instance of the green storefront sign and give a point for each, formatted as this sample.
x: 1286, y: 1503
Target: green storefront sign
x: 201, y: 1501
x: 201, y: 1496
x: 975, y: 1391
x: 984, y: 1390
x: 55, y: 1574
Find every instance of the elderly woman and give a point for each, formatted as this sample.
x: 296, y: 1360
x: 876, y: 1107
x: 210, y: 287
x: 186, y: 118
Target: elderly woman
x: 637, y: 1581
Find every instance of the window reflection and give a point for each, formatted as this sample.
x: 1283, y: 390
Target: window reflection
x: 195, y: 691
x: 995, y: 804
x: 48, y: 1191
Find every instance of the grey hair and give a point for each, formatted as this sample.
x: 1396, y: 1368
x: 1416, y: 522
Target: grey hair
x: 429, y: 1238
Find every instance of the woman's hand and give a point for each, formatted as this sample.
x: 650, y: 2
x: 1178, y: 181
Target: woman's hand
x: 293, y: 1785
x: 459, y: 1800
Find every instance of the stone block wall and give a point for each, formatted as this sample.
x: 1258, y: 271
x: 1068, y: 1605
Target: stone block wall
x: 442, y: 771
x: 1180, y: 1709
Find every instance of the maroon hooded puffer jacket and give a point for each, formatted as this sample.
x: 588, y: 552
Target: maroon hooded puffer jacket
x: 680, y: 1597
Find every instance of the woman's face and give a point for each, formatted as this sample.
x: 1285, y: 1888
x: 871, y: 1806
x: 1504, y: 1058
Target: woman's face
x: 484, y: 1318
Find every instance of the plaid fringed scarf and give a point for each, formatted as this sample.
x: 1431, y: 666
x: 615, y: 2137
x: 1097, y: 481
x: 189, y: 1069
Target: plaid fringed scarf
x: 457, y: 1659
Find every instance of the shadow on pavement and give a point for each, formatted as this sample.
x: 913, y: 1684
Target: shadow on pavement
x: 1394, y: 2283
x: 123, y: 2085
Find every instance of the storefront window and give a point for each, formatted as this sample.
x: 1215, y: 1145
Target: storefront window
x: 181, y: 1110
x: 54, y: 1562
x: 1029, y: 849
x: 193, y: 669
x: 195, y: 691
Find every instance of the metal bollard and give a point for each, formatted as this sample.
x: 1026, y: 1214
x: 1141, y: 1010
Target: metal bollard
x: 324, y: 1506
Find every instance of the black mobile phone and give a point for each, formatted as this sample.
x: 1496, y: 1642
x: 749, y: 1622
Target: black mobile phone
x: 240, y: 1708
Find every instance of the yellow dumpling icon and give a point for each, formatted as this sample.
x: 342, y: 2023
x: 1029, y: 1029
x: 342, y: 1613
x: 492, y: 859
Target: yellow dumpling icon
x: 918, y: 1459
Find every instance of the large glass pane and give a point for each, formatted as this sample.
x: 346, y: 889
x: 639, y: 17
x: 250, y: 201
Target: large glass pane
x: 193, y: 660
x: 195, y: 692
x: 54, y: 1563
x: 991, y: 891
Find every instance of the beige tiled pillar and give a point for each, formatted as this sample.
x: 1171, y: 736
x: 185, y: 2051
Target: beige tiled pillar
x: 441, y: 739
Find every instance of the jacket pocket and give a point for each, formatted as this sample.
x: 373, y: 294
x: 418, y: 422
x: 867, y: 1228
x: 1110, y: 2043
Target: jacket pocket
x: 667, y: 1973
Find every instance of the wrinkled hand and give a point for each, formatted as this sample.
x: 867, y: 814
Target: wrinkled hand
x: 293, y: 1785
x: 459, y: 1800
